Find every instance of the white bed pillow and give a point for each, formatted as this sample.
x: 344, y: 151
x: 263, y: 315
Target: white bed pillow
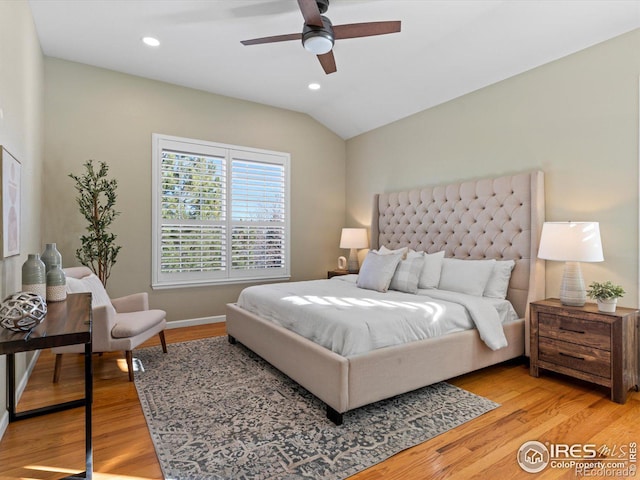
x: 430, y: 276
x: 377, y: 271
x: 499, y: 280
x: 398, y: 251
x: 407, y: 274
x: 465, y: 276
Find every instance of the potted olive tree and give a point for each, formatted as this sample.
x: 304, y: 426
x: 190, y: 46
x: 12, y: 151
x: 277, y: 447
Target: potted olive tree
x: 96, y: 200
x: 606, y: 294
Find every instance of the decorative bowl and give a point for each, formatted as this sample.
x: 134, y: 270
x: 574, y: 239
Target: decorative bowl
x: 22, y: 311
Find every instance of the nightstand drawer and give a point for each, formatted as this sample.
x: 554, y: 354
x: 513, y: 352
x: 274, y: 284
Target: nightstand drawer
x: 577, y: 357
x: 575, y: 330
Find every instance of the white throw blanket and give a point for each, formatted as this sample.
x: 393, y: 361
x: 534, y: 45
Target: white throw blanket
x: 483, y: 313
x: 349, y: 320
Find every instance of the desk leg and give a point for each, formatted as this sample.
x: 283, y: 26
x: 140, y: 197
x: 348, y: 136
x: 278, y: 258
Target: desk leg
x: 88, y: 403
x: 11, y: 386
x: 88, y: 394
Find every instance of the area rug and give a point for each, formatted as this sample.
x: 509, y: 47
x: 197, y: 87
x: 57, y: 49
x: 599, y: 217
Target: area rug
x: 218, y: 411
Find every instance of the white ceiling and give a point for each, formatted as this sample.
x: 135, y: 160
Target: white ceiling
x: 447, y: 48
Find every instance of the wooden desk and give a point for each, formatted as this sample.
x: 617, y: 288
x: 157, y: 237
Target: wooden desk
x: 66, y: 323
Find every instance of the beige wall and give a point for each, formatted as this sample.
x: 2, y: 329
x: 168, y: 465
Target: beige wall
x: 576, y: 119
x: 21, y: 102
x: 98, y: 114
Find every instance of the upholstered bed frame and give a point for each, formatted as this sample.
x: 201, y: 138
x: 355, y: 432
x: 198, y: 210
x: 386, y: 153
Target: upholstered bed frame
x: 498, y: 218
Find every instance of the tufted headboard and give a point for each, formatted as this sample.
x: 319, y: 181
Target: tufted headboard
x: 497, y: 218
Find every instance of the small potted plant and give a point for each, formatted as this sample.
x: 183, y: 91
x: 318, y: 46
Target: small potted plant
x: 606, y: 294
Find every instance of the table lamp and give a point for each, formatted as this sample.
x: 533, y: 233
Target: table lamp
x: 353, y: 238
x: 571, y: 242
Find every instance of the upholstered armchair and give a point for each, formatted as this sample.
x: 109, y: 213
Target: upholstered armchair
x: 118, y: 324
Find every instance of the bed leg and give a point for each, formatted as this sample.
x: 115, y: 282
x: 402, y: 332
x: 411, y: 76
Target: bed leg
x: 232, y: 339
x: 334, y: 416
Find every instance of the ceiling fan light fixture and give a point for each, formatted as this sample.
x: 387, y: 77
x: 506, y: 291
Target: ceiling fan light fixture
x: 318, y: 42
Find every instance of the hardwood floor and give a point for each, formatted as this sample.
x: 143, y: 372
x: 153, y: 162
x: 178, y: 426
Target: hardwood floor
x: 548, y: 409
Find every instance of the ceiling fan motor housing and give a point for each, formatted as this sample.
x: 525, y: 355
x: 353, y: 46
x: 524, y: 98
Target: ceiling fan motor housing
x: 318, y: 40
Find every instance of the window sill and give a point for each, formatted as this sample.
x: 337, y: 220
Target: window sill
x: 211, y: 283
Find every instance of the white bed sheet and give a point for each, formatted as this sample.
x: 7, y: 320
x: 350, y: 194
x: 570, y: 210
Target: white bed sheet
x: 350, y: 321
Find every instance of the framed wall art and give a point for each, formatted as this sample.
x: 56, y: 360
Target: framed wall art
x: 10, y: 199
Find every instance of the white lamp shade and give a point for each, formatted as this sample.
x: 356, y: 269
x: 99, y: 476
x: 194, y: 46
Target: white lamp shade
x: 354, y: 238
x: 571, y: 242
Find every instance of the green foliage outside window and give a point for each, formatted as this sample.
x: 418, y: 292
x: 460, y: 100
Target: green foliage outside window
x: 193, y: 190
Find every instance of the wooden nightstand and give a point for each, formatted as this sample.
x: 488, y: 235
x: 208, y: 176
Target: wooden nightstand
x: 584, y: 343
x: 336, y: 273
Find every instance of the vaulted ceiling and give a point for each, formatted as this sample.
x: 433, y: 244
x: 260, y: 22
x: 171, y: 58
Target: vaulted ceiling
x: 446, y: 48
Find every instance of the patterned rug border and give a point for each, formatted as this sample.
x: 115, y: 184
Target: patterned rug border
x: 244, y: 419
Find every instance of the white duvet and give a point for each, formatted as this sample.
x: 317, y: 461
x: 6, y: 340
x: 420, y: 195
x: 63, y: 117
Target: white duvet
x: 350, y: 320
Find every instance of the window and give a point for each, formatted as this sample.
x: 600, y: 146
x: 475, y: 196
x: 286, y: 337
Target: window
x: 220, y: 213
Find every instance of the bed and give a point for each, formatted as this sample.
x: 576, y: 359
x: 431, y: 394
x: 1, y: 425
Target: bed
x: 492, y: 218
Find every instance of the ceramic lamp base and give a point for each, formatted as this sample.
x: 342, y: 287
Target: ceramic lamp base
x: 572, y: 291
x: 352, y: 265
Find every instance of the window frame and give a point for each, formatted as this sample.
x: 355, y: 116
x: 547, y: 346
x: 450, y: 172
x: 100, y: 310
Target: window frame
x: 228, y: 275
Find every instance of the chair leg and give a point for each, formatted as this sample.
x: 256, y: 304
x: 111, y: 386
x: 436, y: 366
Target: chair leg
x: 57, y: 368
x: 129, y: 355
x: 163, y: 341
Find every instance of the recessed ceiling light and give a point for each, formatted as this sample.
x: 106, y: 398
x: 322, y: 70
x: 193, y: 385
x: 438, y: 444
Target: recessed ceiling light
x: 152, y: 42
x: 314, y: 86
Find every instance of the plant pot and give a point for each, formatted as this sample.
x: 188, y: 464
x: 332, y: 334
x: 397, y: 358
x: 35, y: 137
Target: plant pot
x: 607, y: 305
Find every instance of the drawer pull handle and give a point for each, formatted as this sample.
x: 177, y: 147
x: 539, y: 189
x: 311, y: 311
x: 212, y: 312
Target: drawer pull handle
x: 571, y: 356
x: 573, y: 331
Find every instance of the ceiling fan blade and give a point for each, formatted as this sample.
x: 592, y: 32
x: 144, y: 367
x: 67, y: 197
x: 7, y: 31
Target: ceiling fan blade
x: 368, y: 29
x: 310, y: 12
x: 276, y: 38
x: 328, y: 62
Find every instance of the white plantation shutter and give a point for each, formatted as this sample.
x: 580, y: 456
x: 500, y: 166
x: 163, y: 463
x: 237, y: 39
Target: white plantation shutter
x: 193, y: 210
x: 192, y: 248
x: 220, y: 213
x: 257, y: 215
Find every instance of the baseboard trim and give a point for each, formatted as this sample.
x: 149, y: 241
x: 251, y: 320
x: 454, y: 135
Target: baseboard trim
x: 190, y: 322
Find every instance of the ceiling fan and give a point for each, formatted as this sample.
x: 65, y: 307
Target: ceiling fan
x: 318, y: 34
